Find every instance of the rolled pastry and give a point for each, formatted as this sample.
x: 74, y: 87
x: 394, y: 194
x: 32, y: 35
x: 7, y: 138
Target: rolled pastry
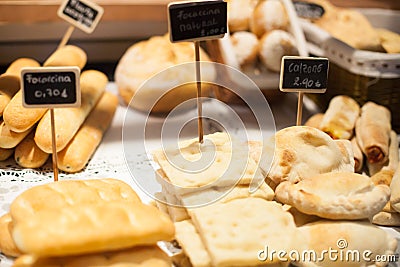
x: 373, y: 132
x: 77, y: 153
x: 358, y: 155
x: 28, y: 155
x: 68, y: 120
x: 314, y: 120
x: 19, y: 118
x: 7, y: 245
x: 340, y: 118
x: 392, y: 160
x: 395, y: 191
x: 10, y: 139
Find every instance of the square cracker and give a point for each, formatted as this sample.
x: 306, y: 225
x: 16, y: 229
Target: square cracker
x: 235, y: 231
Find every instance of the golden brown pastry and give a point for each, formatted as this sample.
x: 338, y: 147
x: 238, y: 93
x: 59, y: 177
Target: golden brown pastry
x: 7, y: 245
x: 68, y: 55
x: 5, y: 153
x: 389, y: 40
x: 314, y: 120
x: 28, y: 155
x: 340, y: 118
x: 358, y: 155
x: 68, y: 120
x: 373, y: 132
x: 9, y: 138
x: 77, y: 153
x: 392, y: 161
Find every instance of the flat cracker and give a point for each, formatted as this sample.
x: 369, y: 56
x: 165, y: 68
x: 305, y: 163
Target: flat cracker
x: 335, y: 195
x: 235, y: 231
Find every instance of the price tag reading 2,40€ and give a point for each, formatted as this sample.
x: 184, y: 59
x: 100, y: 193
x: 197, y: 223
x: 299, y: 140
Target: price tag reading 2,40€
x: 192, y: 21
x: 304, y: 74
x: 50, y: 87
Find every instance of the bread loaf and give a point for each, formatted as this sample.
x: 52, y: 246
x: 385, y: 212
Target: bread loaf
x: 9, y: 138
x: 28, y: 155
x: 91, y: 228
x: 68, y: 120
x: 77, y: 153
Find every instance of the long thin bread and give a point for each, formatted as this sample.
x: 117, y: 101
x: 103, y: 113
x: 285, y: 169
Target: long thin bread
x: 9, y: 138
x: 77, y: 153
x: 69, y: 55
x: 68, y: 120
x: 28, y: 155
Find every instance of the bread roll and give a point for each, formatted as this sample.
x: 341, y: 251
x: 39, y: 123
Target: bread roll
x: 28, y: 155
x: 68, y: 120
x: 268, y: 15
x: 9, y: 138
x: 373, y: 132
x: 340, y: 195
x: 70, y: 193
x: 68, y: 55
x: 392, y: 161
x: 239, y: 14
x: 274, y: 45
x: 170, y: 84
x: 340, y: 118
x: 143, y: 256
x: 358, y: 155
x: 77, y: 153
x: 90, y: 228
x: 245, y: 47
x: 314, y: 120
x: 7, y: 245
x: 5, y: 153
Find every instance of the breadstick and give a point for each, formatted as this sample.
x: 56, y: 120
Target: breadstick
x: 68, y: 120
x: 373, y: 132
x: 315, y: 120
x: 77, y: 153
x: 5, y: 153
x: 10, y: 139
x: 392, y: 160
x: 10, y: 80
x: 68, y: 55
x: 28, y: 155
x: 18, y: 118
x: 358, y: 155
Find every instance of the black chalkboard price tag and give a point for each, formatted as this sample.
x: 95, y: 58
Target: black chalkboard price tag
x: 304, y: 74
x: 50, y: 87
x: 194, y: 21
x: 83, y: 14
x: 308, y: 10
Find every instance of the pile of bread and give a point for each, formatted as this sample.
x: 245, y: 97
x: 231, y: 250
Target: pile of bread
x: 375, y: 145
x: 259, y: 33
x: 93, y: 222
x: 26, y: 132
x: 307, y: 198
x: 157, y: 75
x: 353, y: 28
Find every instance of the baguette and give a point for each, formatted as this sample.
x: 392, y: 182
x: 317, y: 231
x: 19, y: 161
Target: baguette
x: 5, y: 153
x: 7, y: 245
x: 68, y: 55
x: 19, y: 118
x: 77, y: 153
x: 68, y: 120
x: 10, y: 139
x: 28, y: 155
x: 69, y: 193
x: 92, y: 228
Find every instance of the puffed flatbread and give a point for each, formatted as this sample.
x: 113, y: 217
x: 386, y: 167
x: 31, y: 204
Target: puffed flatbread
x: 217, y: 162
x: 347, y: 237
x: 302, y: 152
x: 144, y: 256
x: 56, y: 195
x: 234, y: 232
x: 90, y: 228
x: 335, y: 195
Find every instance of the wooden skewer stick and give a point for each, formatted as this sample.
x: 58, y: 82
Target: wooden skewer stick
x: 299, y: 108
x: 66, y: 36
x: 198, y: 83
x: 54, y: 147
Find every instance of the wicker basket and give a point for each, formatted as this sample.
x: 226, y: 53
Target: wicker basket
x: 363, y: 75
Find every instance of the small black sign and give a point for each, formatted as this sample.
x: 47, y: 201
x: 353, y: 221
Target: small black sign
x: 305, y: 74
x: 50, y: 87
x: 308, y: 10
x: 81, y: 13
x: 189, y: 21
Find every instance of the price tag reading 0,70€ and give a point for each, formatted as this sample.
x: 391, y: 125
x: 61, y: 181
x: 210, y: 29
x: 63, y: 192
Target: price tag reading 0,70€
x: 50, y: 87
x: 191, y: 21
x: 304, y: 74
